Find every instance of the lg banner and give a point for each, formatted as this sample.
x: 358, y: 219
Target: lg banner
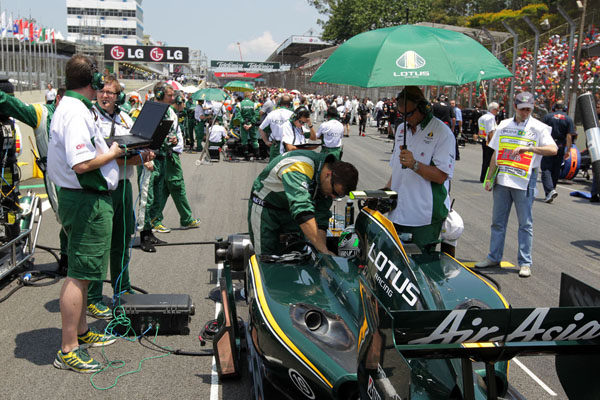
x: 176, y: 55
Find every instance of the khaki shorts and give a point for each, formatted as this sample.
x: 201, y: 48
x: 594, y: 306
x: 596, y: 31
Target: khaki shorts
x: 87, y: 221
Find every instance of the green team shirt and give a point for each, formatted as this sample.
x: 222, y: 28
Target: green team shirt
x: 291, y: 182
x: 247, y: 113
x: 37, y: 116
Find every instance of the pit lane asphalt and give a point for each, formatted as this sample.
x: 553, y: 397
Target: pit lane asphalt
x: 565, y: 240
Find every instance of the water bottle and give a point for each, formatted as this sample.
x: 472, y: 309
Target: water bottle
x: 349, y: 220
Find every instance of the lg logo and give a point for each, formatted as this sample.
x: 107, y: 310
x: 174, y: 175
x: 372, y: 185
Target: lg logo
x: 156, y: 54
x: 117, y: 52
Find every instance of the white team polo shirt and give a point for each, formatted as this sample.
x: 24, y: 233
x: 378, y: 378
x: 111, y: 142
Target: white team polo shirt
x: 487, y: 124
x: 514, y: 171
x: 75, y: 138
x: 435, y: 144
x: 275, y: 120
x: 123, y: 124
x: 332, y: 132
x: 292, y: 135
x: 217, y: 133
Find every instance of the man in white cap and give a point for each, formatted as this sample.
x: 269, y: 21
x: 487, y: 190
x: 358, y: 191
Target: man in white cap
x: 519, y: 144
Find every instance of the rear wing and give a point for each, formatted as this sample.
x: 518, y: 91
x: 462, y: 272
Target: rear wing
x: 501, y: 334
x: 498, y: 334
x: 570, y: 331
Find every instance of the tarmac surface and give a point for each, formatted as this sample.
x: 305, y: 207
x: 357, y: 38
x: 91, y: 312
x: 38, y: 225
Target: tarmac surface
x: 566, y: 239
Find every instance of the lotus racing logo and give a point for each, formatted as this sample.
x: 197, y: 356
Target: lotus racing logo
x: 411, y: 60
x: 391, y: 275
x: 301, y: 383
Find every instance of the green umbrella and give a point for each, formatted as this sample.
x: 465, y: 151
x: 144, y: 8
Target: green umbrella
x: 409, y: 55
x: 239, y: 86
x: 210, y: 94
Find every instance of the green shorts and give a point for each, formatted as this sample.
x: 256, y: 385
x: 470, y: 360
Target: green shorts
x: 336, y: 151
x: 87, y: 220
x: 426, y: 237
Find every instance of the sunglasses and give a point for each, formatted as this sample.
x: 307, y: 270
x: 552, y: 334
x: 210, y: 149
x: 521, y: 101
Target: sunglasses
x: 409, y: 114
x: 333, y: 192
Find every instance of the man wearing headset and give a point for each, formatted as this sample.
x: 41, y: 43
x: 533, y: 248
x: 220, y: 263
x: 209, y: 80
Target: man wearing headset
x: 84, y: 167
x: 421, y: 172
x: 274, y: 122
x: 112, y: 121
x: 292, y: 132
x: 168, y: 174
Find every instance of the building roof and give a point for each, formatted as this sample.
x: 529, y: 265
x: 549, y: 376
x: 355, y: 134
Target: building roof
x: 293, y: 48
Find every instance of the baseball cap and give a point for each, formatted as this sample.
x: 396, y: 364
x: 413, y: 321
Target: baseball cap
x: 524, y: 100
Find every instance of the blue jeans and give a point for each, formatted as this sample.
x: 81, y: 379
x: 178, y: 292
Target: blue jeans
x: 551, y: 167
x: 504, y: 197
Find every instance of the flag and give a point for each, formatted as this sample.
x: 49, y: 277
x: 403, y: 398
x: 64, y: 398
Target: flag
x: 19, y: 29
x: 10, y: 24
x: 52, y: 34
x: 31, y: 29
x: 43, y: 36
x: 3, y: 23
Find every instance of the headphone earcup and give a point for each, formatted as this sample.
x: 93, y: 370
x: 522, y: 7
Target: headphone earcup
x: 120, y: 99
x: 424, y: 107
x: 97, y: 81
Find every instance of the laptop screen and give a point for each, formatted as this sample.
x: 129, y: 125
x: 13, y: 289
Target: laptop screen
x: 148, y: 119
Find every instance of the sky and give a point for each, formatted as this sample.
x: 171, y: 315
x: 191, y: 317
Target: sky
x: 214, y: 27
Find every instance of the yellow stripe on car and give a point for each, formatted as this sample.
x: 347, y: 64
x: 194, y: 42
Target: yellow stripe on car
x: 271, y: 320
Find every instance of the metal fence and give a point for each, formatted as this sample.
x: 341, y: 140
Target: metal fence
x: 467, y: 95
x: 31, y: 65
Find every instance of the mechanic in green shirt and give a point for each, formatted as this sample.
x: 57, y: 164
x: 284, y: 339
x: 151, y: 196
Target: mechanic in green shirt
x: 293, y: 195
x: 246, y: 115
x: 38, y: 117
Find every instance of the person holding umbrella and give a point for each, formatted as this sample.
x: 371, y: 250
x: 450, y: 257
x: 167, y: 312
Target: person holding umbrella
x: 421, y: 170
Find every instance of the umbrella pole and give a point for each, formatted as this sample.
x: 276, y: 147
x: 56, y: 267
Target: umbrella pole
x: 484, y: 95
x: 404, y: 122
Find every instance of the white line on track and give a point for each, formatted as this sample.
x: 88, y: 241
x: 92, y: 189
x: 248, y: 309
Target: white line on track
x: 214, y: 378
x: 534, y: 377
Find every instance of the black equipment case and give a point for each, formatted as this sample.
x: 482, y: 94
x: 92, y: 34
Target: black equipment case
x: 171, y: 313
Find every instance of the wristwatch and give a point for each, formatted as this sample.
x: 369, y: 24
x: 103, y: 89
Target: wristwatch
x: 415, y: 166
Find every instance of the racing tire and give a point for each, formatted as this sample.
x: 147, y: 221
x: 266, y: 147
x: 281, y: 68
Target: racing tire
x: 260, y: 387
x: 596, y: 174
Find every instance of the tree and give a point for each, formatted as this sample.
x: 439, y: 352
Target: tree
x: 347, y: 18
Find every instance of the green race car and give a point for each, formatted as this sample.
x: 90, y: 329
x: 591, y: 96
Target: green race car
x: 387, y: 322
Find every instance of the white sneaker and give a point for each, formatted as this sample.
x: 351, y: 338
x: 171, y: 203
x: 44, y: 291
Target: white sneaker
x: 486, y: 264
x: 525, y: 271
x: 551, y: 196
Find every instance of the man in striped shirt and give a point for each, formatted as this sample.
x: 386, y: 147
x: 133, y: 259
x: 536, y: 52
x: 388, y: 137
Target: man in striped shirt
x: 293, y: 195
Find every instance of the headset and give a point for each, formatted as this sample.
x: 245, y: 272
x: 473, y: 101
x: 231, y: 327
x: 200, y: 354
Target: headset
x: 96, y: 78
x: 120, y: 98
x: 300, y: 112
x: 159, y: 91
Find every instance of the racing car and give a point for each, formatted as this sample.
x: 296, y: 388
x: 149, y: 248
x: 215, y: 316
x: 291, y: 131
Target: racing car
x: 389, y: 322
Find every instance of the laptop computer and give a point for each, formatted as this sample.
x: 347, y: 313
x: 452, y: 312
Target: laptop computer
x: 149, y: 129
